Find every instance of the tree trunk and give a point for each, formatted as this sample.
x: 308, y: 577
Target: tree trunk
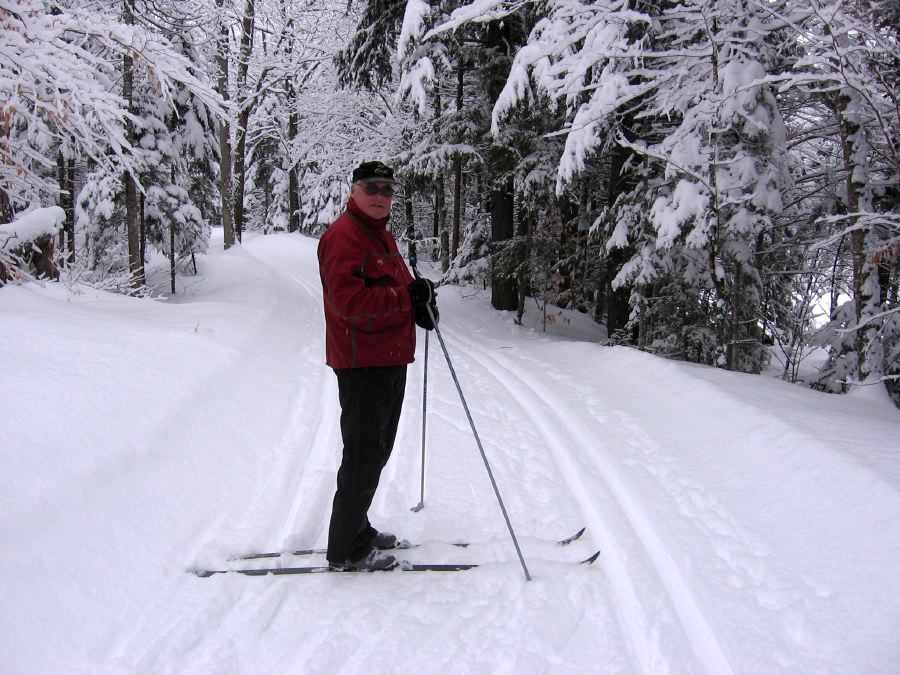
x: 66, y: 169
x: 866, y: 292
x: 457, y: 173
x: 132, y: 224
x: 523, y: 278
x: 644, y: 320
x: 172, y: 234
x: 735, y: 337
x: 6, y: 216
x: 457, y: 206
x: 617, y: 302
x: 240, y: 159
x: 445, y: 250
x: 614, y: 304
x: 712, y: 248
x: 408, y: 211
x: 142, y: 229
x: 293, y: 189
x: 225, y: 189
x: 61, y: 181
x: 293, y: 179
x: 6, y: 211
x: 438, y: 207
x: 70, y: 212
x: 240, y: 172
x: 442, y: 232
x: 293, y: 130
x: 504, y: 295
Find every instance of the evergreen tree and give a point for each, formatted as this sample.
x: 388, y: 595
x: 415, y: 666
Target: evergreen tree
x: 171, y: 157
x: 431, y: 59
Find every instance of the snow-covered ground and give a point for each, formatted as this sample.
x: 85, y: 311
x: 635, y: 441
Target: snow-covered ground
x: 746, y: 525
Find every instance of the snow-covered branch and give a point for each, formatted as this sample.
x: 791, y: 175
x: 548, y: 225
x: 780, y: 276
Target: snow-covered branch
x: 58, y: 78
x: 34, y: 224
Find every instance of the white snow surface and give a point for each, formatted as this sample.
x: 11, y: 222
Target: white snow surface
x: 746, y: 525
x: 31, y: 226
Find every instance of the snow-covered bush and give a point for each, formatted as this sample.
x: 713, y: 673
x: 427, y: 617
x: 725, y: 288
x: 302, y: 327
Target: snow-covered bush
x: 27, y: 243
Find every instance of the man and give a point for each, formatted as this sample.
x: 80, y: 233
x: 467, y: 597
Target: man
x: 372, y: 306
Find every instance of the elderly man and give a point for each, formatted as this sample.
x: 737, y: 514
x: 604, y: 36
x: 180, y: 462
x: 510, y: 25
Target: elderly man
x: 372, y: 306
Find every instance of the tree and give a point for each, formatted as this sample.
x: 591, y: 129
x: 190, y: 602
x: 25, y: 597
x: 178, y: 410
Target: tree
x: 66, y: 65
x: 304, y: 136
x: 748, y: 152
x: 850, y: 59
x: 223, y: 62
x: 438, y: 56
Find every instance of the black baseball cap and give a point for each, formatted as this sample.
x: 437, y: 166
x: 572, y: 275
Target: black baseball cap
x: 373, y: 171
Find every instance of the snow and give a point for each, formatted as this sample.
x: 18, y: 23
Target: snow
x: 479, y: 10
x: 688, y: 202
x: 414, y: 80
x: 30, y: 226
x: 413, y: 22
x: 746, y: 525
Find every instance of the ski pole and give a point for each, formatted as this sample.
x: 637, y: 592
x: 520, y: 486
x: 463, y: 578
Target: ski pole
x: 421, y: 505
x: 413, y: 261
x: 487, y: 464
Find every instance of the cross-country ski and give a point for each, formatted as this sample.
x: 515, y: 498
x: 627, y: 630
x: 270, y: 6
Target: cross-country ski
x: 403, y: 544
x: 402, y: 566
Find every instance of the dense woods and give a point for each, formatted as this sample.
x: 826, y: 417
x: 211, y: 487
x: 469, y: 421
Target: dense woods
x: 712, y: 180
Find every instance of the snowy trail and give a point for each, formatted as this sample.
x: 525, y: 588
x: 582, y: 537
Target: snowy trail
x: 160, y: 636
x: 311, y: 440
x: 735, y: 538
x: 584, y: 468
x: 305, y: 485
x: 587, y: 462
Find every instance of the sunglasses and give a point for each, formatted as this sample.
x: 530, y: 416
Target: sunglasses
x: 372, y: 190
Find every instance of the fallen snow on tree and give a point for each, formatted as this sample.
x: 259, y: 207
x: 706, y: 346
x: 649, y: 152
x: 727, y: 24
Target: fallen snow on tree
x: 32, y: 225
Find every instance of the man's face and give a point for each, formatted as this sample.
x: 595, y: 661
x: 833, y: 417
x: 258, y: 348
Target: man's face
x: 376, y: 205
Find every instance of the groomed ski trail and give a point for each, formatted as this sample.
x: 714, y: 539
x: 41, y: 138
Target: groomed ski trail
x: 633, y: 611
x: 282, y: 475
x: 576, y: 456
x: 305, y: 485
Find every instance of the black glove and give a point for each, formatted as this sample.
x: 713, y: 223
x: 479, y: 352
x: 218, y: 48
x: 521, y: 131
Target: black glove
x: 423, y: 320
x: 421, y: 292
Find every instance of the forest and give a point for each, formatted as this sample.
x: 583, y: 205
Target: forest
x: 714, y: 181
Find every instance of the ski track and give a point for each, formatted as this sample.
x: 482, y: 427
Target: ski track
x: 287, y: 459
x: 582, y: 456
x: 308, y: 491
x: 302, y: 467
x: 155, y: 649
x: 566, y: 438
x: 303, y: 486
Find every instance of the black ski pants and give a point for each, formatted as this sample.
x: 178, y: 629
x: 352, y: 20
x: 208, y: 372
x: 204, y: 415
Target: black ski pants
x: 371, y: 400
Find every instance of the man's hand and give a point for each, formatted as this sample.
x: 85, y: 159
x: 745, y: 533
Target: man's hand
x: 423, y: 318
x: 421, y: 292
x: 423, y: 296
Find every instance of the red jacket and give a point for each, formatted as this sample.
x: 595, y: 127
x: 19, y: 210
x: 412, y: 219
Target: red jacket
x: 369, y: 320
